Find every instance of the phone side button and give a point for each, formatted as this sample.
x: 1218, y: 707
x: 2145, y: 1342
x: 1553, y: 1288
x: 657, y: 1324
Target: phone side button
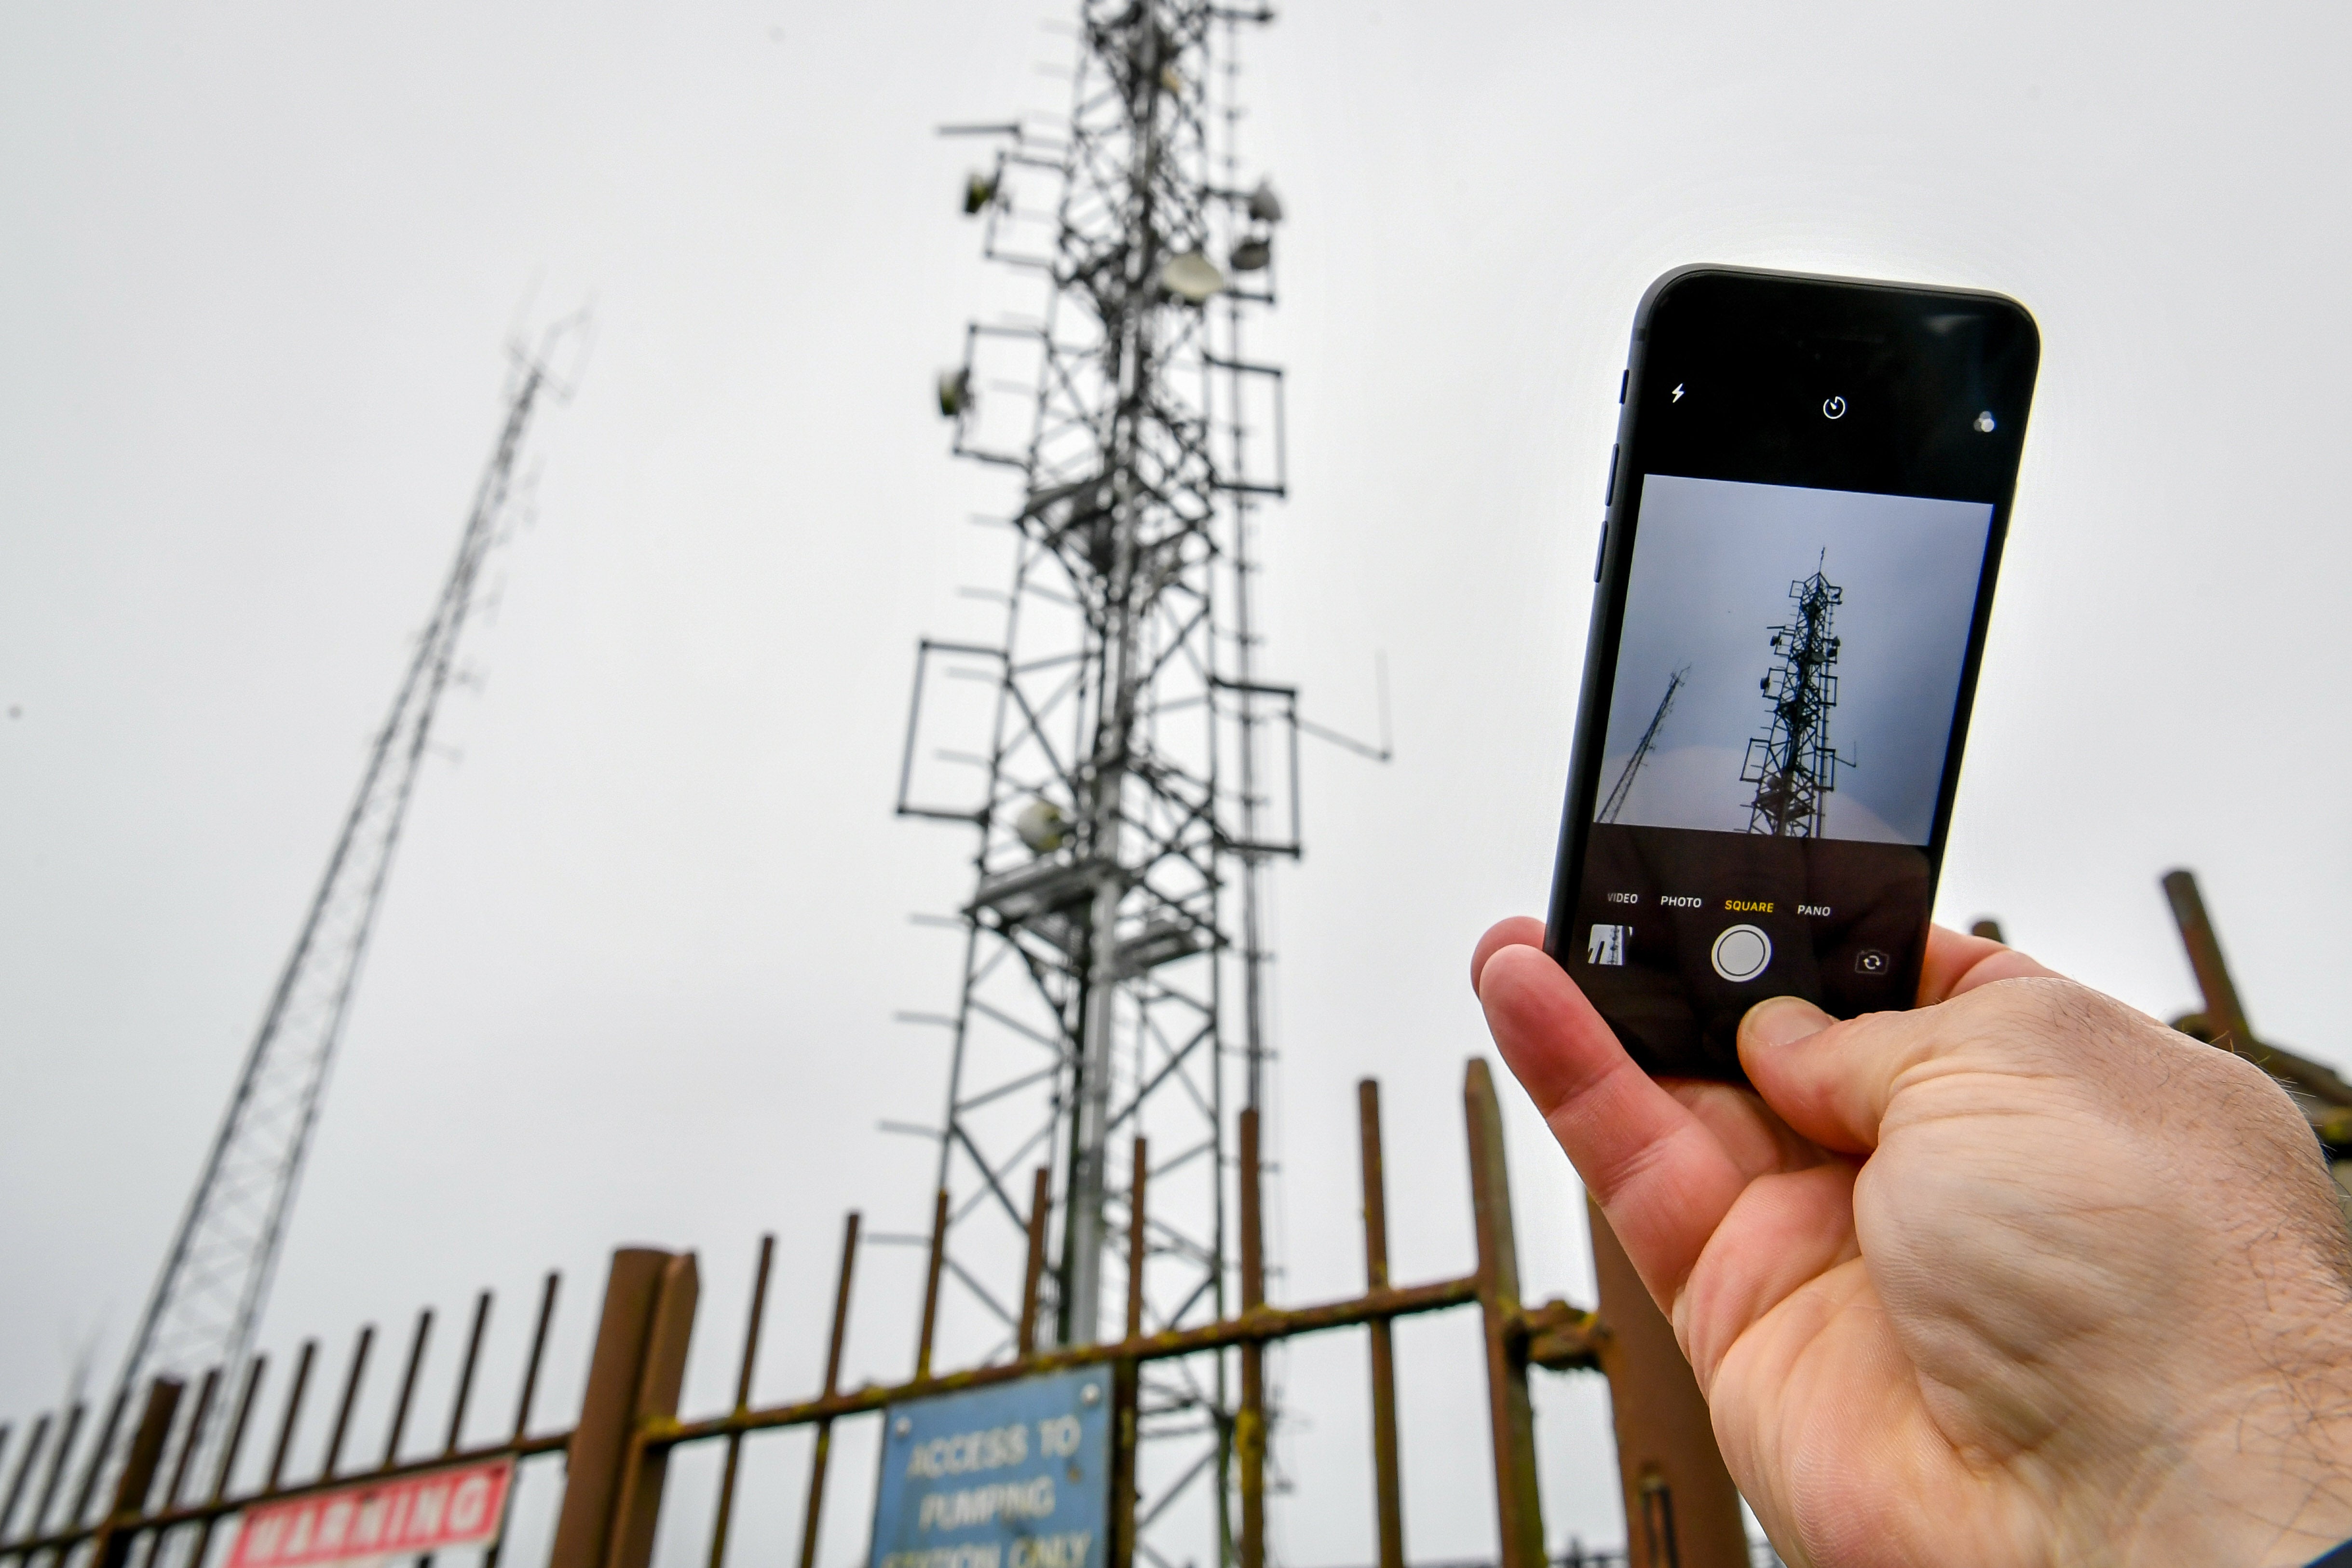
x: 1610, y: 493
x: 1623, y: 381
x: 1600, y: 554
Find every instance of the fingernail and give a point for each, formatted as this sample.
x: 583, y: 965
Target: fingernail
x: 1783, y: 1021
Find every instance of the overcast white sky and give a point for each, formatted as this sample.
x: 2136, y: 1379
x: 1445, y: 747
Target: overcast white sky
x: 636, y: 975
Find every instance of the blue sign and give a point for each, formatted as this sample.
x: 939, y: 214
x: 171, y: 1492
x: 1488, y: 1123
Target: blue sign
x: 1012, y: 1475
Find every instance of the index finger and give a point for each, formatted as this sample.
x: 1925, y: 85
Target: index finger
x: 1663, y: 1178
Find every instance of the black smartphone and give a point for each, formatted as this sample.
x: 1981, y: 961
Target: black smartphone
x: 1806, y: 503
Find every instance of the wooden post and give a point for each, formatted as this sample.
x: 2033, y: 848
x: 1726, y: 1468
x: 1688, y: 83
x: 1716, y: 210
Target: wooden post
x: 110, y: 1547
x: 174, y: 1488
x: 1682, y: 1509
x: 1519, y: 1506
x: 2225, y: 1016
x: 1249, y: 1426
x: 1387, y: 1480
x: 1126, y: 1380
x: 637, y: 1509
x: 612, y: 1493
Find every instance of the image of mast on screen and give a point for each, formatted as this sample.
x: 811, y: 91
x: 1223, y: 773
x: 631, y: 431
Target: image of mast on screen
x: 1793, y: 763
x: 1617, y: 793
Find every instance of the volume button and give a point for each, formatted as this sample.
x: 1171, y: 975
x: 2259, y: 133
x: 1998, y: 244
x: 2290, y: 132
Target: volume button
x: 1602, y: 553
x: 1610, y: 493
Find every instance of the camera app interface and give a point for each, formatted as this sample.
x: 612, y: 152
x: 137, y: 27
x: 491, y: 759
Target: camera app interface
x: 1788, y: 669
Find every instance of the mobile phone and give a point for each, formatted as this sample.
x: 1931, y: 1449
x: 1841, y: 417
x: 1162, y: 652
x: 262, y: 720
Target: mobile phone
x: 1806, y: 507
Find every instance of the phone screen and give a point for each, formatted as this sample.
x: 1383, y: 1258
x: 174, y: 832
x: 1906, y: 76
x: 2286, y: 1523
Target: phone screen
x: 1795, y: 586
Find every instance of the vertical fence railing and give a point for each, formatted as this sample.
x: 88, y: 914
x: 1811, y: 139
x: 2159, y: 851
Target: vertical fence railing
x: 813, y: 1514
x: 150, y: 1520
x: 1681, y: 1510
x: 619, y: 1417
x: 1249, y: 1426
x: 1127, y: 1374
x: 1388, y: 1480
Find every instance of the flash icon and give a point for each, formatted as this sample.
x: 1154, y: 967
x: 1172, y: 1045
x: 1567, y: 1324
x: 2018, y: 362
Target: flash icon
x: 1678, y: 391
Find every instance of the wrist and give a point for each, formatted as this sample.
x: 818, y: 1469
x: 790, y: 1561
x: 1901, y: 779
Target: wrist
x: 2266, y: 1483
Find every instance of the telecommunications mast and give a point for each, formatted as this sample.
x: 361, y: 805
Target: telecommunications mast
x: 208, y: 1299
x: 1792, y: 763
x: 1624, y: 785
x: 1129, y: 772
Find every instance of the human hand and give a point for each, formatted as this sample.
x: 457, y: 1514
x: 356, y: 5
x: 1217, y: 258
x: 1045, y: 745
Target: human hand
x: 2022, y: 1277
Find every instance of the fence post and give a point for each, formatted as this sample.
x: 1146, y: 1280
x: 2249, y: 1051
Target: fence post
x: 1388, y: 1488
x: 1249, y: 1422
x: 1682, y: 1509
x: 613, y: 1486
x: 1127, y: 1375
x: 111, y: 1545
x: 1519, y: 1506
x: 931, y: 1287
x: 812, y: 1517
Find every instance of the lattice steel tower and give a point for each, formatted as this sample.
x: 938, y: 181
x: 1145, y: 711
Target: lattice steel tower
x: 1129, y: 772
x: 208, y: 1298
x: 1619, y: 792
x: 1794, y: 765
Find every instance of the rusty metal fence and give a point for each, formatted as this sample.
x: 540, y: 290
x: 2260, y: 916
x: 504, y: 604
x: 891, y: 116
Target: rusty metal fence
x: 1681, y: 1508
x: 144, y: 1524
x: 1680, y: 1505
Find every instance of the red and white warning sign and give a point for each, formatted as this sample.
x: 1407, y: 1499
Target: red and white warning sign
x: 431, y: 1512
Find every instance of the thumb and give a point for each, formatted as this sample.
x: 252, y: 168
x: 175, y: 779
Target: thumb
x: 1830, y: 1080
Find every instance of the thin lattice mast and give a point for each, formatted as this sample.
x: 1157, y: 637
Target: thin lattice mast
x: 1130, y: 772
x: 208, y: 1298
x: 1624, y: 785
x: 1794, y: 765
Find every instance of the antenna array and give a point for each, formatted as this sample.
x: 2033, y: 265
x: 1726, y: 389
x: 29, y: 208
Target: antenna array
x: 1129, y: 772
x: 1792, y: 763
